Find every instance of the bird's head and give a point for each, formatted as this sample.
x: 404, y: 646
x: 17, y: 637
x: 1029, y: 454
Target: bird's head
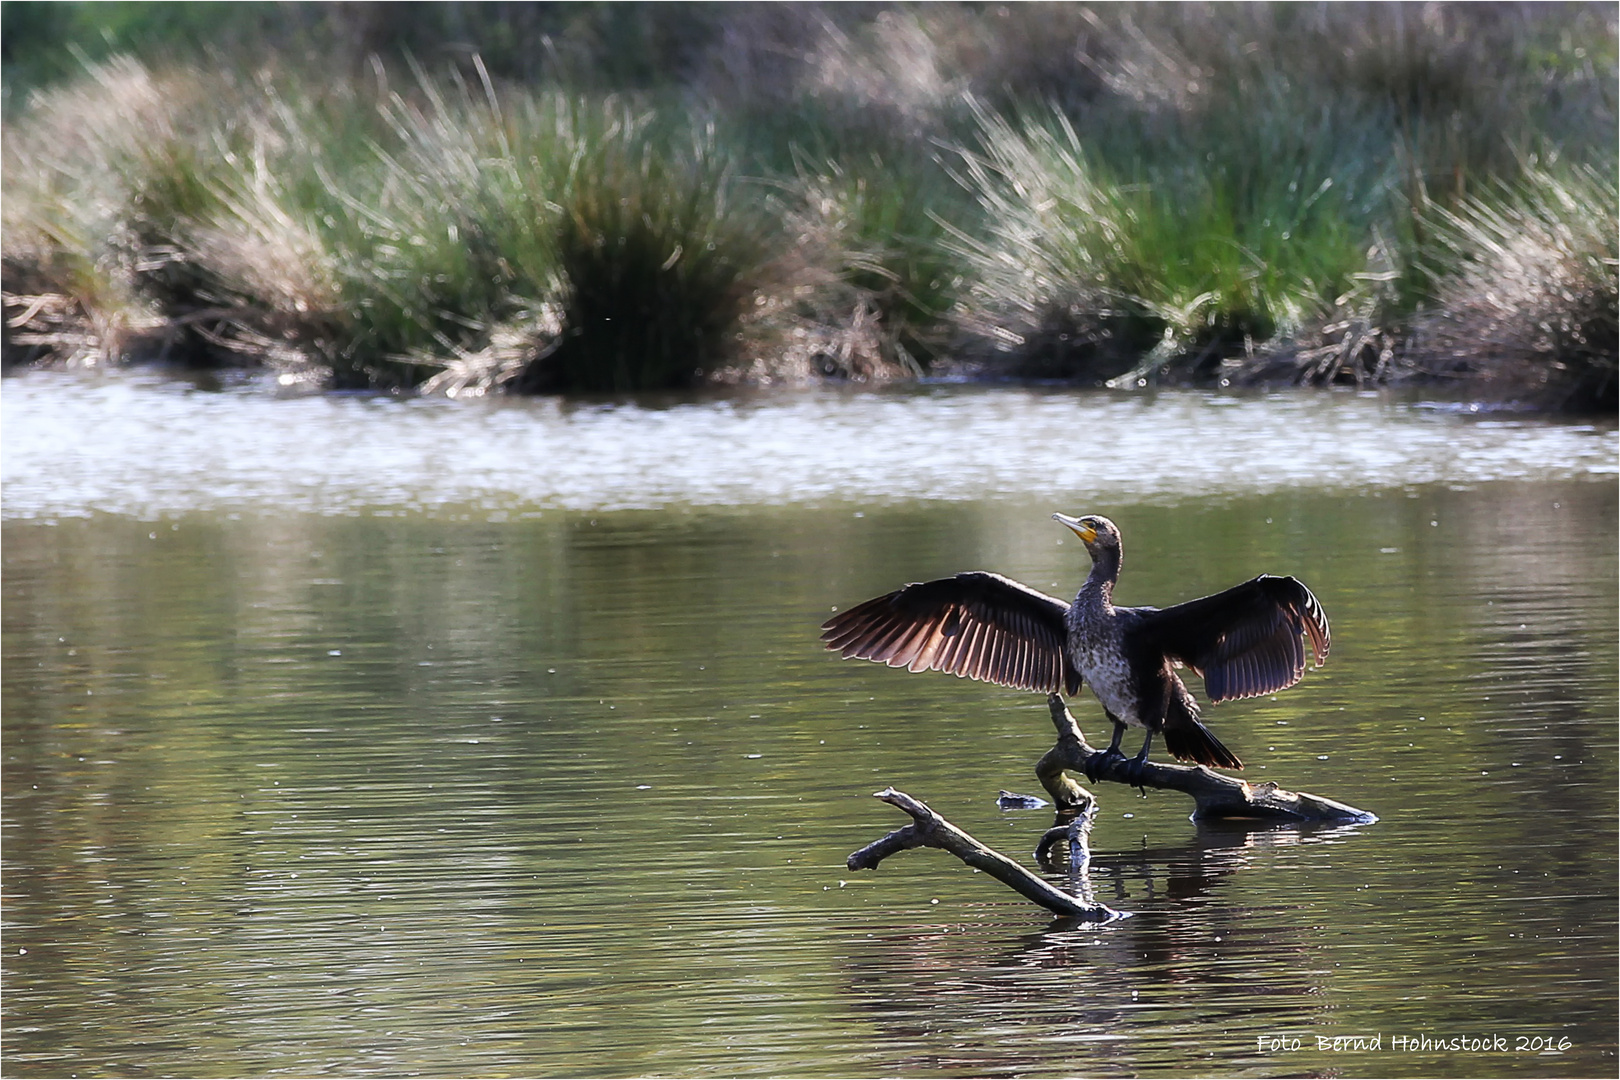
x: 1097, y: 533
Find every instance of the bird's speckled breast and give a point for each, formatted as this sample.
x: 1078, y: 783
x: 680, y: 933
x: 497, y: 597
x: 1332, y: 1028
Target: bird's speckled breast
x: 1095, y: 647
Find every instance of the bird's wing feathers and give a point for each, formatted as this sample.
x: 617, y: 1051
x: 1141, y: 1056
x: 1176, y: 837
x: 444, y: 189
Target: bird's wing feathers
x: 1245, y: 641
x: 977, y: 624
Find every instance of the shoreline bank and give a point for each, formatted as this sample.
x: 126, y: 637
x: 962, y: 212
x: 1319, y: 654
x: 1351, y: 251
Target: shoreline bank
x: 1207, y: 197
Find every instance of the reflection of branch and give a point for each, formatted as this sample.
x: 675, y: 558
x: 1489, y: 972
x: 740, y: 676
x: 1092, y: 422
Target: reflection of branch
x: 1078, y: 834
x: 1217, y: 796
x: 928, y: 829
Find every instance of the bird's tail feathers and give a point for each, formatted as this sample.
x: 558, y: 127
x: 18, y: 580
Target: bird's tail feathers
x: 1195, y: 742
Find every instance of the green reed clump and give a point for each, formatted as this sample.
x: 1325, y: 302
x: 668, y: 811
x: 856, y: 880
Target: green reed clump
x: 659, y: 254
x: 877, y: 220
x: 1525, y: 299
x: 1238, y: 193
x: 385, y: 236
x: 179, y: 188
x: 541, y: 241
x: 1056, y: 286
x: 77, y: 173
x: 440, y: 235
x: 1164, y: 265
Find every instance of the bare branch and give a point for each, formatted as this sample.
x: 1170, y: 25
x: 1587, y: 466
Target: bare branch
x: 1216, y: 795
x: 928, y: 829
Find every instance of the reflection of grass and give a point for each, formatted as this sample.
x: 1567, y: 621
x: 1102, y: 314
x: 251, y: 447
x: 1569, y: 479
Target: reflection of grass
x: 1202, y: 194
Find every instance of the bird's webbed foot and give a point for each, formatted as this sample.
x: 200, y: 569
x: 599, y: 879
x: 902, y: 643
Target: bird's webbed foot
x: 1096, y: 763
x: 1133, y: 768
x: 1136, y: 766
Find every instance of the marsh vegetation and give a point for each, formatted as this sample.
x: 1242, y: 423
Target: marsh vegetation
x: 462, y: 198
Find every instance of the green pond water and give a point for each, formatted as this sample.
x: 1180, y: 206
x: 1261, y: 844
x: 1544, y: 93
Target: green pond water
x: 483, y: 780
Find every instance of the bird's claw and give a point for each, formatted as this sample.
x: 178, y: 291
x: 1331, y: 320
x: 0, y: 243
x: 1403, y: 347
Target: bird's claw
x: 1095, y: 764
x: 1133, y: 769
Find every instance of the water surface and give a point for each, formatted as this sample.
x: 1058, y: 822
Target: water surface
x: 146, y: 446
x: 485, y: 782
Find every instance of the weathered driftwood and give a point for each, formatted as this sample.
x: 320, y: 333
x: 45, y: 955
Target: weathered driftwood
x: 1216, y: 795
x: 928, y: 829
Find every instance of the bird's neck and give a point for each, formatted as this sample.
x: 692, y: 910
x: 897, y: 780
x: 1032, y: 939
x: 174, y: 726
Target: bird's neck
x: 1098, y: 590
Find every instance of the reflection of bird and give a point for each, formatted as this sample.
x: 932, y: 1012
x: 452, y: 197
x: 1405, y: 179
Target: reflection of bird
x: 1245, y: 641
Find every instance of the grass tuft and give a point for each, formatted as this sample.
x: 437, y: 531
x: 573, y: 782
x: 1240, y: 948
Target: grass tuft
x: 658, y: 256
x: 1528, y: 303
x: 878, y: 220
x: 1163, y: 271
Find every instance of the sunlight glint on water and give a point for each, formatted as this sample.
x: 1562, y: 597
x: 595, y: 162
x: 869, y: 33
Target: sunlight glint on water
x: 142, y: 446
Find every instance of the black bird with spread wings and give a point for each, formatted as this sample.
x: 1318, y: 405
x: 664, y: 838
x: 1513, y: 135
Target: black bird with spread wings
x: 1246, y: 641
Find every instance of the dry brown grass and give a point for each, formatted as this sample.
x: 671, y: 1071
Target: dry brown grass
x: 1528, y: 311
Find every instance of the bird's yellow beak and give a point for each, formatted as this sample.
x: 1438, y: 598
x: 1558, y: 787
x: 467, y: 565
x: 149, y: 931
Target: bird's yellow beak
x: 1081, y: 529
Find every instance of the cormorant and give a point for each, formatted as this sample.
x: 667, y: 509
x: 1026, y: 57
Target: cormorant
x: 1245, y: 641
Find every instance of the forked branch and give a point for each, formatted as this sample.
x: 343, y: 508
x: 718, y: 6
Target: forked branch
x: 928, y: 829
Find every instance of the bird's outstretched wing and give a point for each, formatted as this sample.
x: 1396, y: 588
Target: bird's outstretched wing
x: 1245, y: 641
x: 977, y: 624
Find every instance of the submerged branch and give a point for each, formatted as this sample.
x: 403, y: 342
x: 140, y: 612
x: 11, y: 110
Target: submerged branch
x: 1216, y: 795
x: 928, y: 829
